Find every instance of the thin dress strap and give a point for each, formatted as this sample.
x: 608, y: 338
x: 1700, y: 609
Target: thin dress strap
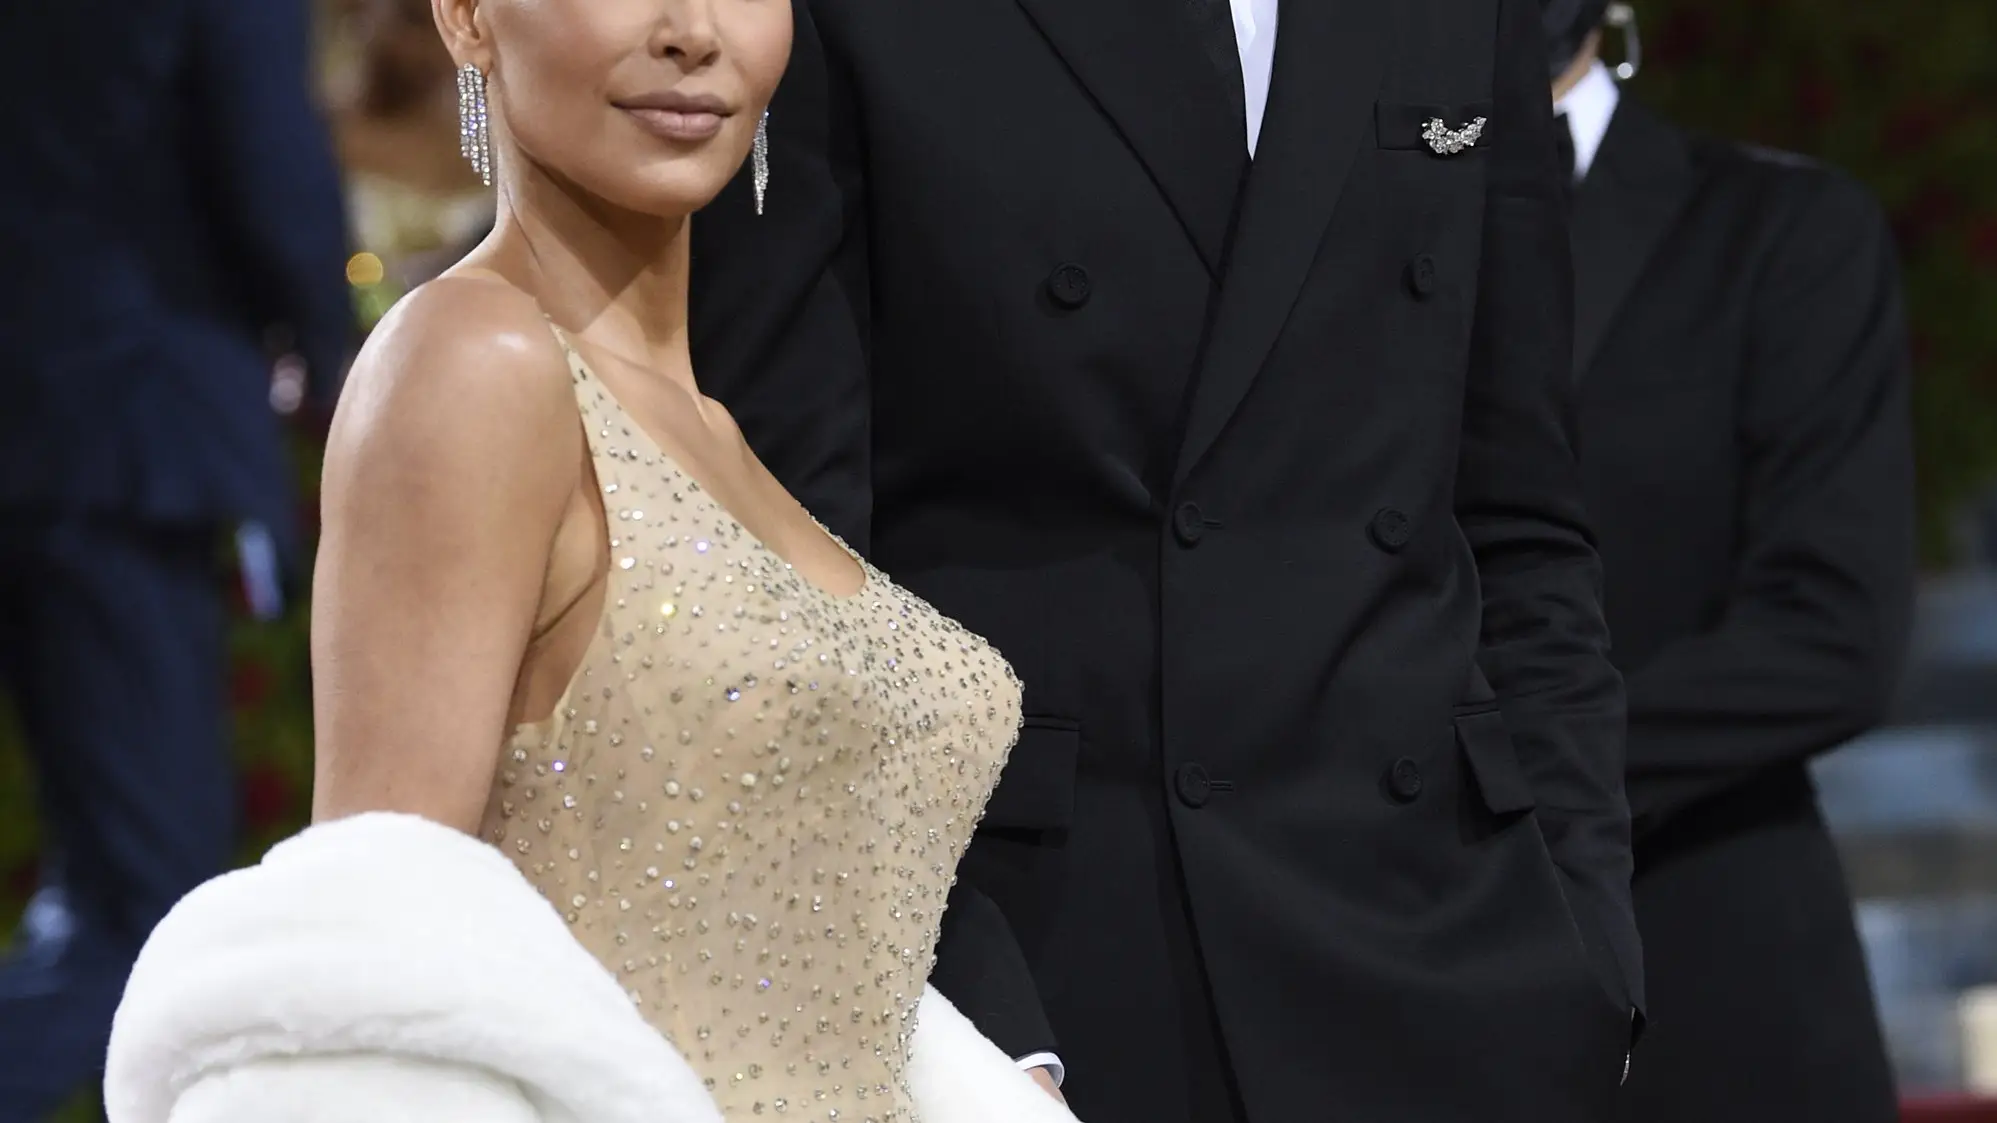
x: 603, y: 418
x: 561, y: 337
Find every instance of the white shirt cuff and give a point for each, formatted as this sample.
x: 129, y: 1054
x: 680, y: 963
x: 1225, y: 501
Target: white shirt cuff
x: 1048, y: 1061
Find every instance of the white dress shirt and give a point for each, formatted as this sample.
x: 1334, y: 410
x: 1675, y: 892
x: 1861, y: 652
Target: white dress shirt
x: 1049, y: 1061
x: 1589, y: 107
x: 1255, y: 38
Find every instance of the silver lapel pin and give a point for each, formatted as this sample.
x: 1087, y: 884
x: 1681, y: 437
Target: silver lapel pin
x: 1447, y: 141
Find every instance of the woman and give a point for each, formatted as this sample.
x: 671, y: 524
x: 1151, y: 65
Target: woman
x: 562, y: 607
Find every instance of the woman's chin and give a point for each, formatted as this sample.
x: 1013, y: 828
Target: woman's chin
x: 671, y: 188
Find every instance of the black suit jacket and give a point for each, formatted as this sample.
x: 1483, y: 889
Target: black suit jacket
x: 1747, y: 453
x: 1259, y: 476
x: 167, y: 196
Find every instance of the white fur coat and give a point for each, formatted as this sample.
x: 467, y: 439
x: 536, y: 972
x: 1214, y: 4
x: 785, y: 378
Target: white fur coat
x: 389, y: 970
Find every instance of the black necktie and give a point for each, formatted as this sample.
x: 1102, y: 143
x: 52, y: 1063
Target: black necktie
x: 1214, y: 20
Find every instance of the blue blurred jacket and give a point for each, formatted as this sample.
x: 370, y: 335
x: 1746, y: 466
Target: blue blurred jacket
x: 170, y: 217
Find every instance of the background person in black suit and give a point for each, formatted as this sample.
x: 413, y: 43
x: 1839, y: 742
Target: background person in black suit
x: 167, y: 195
x: 1256, y: 467
x: 1746, y: 448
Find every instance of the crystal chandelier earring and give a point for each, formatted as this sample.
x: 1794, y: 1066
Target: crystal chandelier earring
x: 759, y: 159
x: 474, y: 134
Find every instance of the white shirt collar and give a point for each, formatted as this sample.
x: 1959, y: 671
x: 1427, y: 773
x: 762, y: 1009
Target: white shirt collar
x: 1589, y: 107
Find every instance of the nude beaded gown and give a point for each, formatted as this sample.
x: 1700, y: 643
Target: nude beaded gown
x: 751, y: 801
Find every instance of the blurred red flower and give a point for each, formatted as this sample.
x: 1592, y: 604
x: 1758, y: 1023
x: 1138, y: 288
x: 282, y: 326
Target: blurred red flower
x: 267, y: 798
x: 23, y: 879
x: 1912, y: 127
x: 1685, y: 34
x: 1816, y: 100
x: 1983, y: 242
x: 1920, y: 348
x: 250, y: 684
x: 1924, y: 216
x: 1873, y: 54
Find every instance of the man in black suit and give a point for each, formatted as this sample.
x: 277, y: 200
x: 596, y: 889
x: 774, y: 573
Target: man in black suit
x: 1237, y: 420
x: 1747, y: 455
x: 167, y: 195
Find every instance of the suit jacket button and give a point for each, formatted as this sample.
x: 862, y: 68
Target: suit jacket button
x: 1068, y: 286
x: 1390, y: 529
x: 1188, y: 524
x: 1421, y: 275
x: 1193, y: 784
x: 1404, y: 780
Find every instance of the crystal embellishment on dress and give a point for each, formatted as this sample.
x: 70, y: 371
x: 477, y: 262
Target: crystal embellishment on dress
x: 765, y: 790
x: 1446, y: 141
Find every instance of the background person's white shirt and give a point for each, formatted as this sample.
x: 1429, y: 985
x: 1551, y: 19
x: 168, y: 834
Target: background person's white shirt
x: 1589, y: 107
x: 1255, y: 38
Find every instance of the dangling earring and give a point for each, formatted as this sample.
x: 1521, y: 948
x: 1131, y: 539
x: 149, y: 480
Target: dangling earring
x: 474, y: 133
x: 759, y: 159
x: 1623, y: 18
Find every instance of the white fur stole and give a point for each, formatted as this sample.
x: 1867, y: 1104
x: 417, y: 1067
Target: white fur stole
x: 388, y: 968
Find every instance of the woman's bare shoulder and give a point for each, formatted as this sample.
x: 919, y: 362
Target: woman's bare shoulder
x: 462, y: 367
x: 455, y: 457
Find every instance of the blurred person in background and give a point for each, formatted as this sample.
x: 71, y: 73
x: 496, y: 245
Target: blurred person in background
x: 392, y: 100
x: 1742, y: 372
x: 169, y: 218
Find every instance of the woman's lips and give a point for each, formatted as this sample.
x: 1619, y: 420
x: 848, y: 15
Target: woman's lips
x: 677, y: 124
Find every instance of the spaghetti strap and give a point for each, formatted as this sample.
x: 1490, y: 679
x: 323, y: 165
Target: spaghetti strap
x: 580, y: 373
x: 561, y: 337
x: 603, y: 419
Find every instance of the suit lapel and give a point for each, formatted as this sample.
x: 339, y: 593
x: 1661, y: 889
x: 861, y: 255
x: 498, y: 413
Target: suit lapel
x: 1640, y: 182
x: 1142, y: 61
x: 1329, y: 58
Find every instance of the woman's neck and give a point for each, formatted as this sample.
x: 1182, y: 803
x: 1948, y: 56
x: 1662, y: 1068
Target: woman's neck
x: 616, y: 277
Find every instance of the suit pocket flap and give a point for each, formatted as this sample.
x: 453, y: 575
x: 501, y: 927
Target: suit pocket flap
x: 1494, y: 763
x: 1405, y: 124
x: 1036, y: 792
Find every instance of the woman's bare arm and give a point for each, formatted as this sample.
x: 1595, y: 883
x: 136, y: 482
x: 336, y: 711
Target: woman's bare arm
x: 451, y: 463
